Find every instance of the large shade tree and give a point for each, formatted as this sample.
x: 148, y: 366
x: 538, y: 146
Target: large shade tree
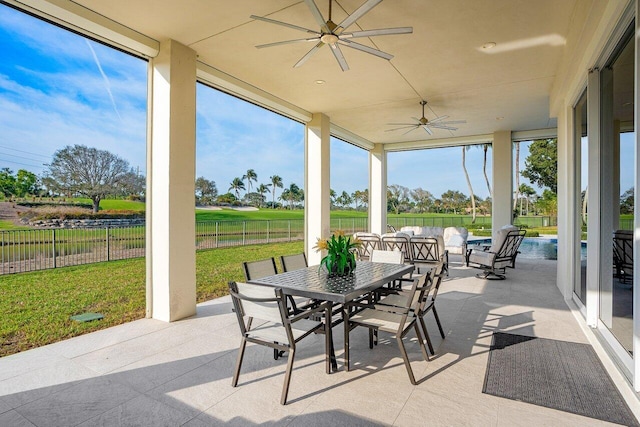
x: 89, y: 172
x: 541, y: 165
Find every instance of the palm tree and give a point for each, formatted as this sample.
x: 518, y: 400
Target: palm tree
x: 466, y: 175
x: 262, y: 190
x: 485, y: 148
x: 251, y: 175
x: 236, y: 186
x: 276, y: 182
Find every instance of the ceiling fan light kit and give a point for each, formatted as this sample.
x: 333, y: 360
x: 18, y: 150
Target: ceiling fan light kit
x: 334, y: 35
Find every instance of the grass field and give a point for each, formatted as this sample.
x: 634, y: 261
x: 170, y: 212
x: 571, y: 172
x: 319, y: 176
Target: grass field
x: 36, y: 307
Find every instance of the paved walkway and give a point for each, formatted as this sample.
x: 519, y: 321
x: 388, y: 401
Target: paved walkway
x: 150, y: 373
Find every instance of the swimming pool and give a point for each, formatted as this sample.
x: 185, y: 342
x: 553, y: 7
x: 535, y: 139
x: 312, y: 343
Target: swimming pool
x: 539, y: 248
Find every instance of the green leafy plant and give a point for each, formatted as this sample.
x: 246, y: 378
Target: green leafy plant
x: 340, y: 258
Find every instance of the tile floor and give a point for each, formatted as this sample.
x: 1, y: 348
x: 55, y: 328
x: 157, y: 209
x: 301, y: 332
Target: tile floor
x: 150, y: 373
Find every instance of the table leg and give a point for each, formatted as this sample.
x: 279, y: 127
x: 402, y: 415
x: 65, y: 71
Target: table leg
x: 332, y: 352
x: 345, y: 321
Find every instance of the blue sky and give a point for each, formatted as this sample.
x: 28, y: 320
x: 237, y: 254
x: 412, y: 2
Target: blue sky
x: 59, y: 89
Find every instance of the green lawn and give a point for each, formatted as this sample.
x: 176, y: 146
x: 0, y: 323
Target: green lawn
x: 35, y: 308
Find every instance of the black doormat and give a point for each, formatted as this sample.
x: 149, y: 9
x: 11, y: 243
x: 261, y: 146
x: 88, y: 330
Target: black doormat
x: 556, y: 374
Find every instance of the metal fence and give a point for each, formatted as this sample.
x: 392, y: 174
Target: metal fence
x: 39, y: 249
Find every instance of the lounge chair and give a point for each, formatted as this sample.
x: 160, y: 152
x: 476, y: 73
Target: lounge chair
x: 501, y: 254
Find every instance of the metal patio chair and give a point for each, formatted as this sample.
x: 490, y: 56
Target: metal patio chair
x: 430, y: 295
x: 394, y: 319
x: 495, y: 259
x: 264, y: 319
x: 369, y: 242
x: 293, y: 262
x: 623, y: 255
x: 397, y: 242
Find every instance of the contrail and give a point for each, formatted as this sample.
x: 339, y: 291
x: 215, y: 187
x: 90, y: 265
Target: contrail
x: 105, y: 78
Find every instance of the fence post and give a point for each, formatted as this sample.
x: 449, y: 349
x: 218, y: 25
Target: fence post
x: 244, y: 230
x: 53, y: 244
x: 217, y: 233
x: 108, y: 245
x: 289, y: 227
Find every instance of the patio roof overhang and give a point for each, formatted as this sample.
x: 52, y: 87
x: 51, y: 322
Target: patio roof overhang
x: 507, y: 87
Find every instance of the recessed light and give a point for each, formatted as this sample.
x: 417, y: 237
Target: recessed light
x: 500, y: 118
x: 489, y: 45
x: 320, y: 82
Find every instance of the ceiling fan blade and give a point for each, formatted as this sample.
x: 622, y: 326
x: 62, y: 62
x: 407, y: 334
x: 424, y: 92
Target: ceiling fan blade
x: 367, y: 49
x: 444, y: 127
x: 403, y: 124
x: 284, y: 24
x: 437, y: 119
x: 428, y: 130
x: 402, y: 127
x: 380, y: 32
x: 308, y: 54
x: 317, y: 15
x: 339, y: 56
x: 452, y: 122
x: 357, y: 14
x: 410, y: 130
x: 313, y: 39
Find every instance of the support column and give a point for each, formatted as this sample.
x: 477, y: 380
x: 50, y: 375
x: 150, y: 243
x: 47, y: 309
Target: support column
x: 378, y: 190
x: 317, y: 198
x: 568, y: 204
x: 171, y: 262
x: 502, y: 162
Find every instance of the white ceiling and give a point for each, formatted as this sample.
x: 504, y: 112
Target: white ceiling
x: 442, y: 61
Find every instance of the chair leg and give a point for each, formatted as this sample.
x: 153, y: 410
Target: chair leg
x: 236, y: 374
x: 435, y: 314
x: 287, y: 377
x: 422, y: 347
x: 405, y: 357
x: 370, y: 338
x: 330, y: 356
x: 426, y: 334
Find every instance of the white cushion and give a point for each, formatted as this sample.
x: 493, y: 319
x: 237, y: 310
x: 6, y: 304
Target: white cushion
x: 456, y: 240
x: 501, y: 236
x: 432, y: 231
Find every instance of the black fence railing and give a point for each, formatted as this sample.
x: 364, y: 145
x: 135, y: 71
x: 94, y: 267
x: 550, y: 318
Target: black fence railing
x: 39, y: 249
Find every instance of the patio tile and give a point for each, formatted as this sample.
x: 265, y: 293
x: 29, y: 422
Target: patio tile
x: 20, y: 363
x: 82, y: 401
x: 140, y: 411
x: 14, y: 419
x: 38, y: 383
x: 88, y: 343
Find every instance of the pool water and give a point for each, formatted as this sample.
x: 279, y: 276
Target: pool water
x: 540, y: 248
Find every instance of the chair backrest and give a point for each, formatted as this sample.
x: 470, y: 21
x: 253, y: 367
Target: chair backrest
x: 258, y: 302
x: 623, y: 248
x: 397, y: 242
x: 425, y: 249
x: 455, y: 236
x: 259, y: 269
x: 368, y: 243
x: 390, y: 257
x: 500, y: 236
x: 293, y: 262
x: 510, y: 245
x: 437, y: 275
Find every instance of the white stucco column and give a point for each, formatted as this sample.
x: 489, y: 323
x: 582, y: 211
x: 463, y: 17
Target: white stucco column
x: 502, y: 180
x: 317, y: 199
x: 171, y: 262
x: 378, y: 190
x: 568, y: 204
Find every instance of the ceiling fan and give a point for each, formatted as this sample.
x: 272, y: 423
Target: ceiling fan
x: 427, y: 124
x: 334, y: 35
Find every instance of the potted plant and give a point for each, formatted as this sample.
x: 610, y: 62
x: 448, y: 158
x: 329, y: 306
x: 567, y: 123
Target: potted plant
x: 341, y: 258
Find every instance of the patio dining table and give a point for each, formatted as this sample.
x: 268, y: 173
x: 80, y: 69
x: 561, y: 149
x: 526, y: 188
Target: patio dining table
x: 314, y: 283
